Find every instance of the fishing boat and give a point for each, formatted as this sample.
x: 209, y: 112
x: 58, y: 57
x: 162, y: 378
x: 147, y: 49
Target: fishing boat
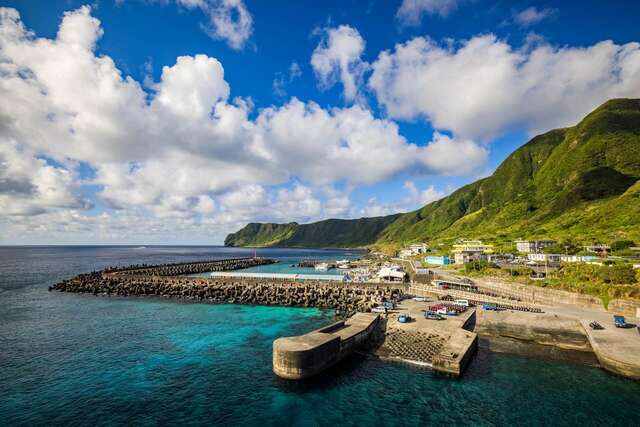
x: 342, y: 264
x: 323, y: 266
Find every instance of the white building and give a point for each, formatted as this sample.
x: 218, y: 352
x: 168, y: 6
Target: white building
x: 598, y: 249
x: 464, y: 256
x: 571, y: 258
x: 533, y: 246
x: 391, y: 274
x: 545, y: 258
x: 412, y: 250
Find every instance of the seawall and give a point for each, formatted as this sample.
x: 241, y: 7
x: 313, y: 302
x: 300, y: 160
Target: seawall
x: 544, y: 329
x: 304, y: 356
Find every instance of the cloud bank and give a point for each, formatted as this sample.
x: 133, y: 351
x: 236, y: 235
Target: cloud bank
x: 183, y: 151
x: 483, y: 87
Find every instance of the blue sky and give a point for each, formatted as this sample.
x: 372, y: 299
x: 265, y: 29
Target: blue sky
x: 311, y: 109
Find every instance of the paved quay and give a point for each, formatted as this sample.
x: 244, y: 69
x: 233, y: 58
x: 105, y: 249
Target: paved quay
x: 446, y: 346
x: 563, y: 322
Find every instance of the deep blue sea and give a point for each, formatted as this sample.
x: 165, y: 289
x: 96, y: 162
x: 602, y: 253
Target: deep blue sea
x: 82, y: 360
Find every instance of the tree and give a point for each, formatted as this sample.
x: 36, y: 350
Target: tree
x: 564, y: 247
x: 619, y: 245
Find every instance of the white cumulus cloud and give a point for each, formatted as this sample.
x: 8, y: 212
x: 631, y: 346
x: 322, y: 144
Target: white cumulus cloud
x: 482, y: 87
x: 532, y: 15
x: 411, y: 11
x: 337, y: 58
x: 177, y: 151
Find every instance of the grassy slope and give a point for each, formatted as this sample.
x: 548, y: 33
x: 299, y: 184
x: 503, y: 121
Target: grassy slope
x: 579, y: 183
x: 328, y: 233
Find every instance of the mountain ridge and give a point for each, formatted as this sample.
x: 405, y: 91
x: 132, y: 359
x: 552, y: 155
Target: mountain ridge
x: 564, y: 184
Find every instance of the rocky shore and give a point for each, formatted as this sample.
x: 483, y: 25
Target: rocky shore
x: 151, y: 281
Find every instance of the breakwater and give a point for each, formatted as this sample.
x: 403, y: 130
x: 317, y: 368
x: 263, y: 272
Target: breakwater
x: 183, y: 268
x: 347, y: 298
x: 307, y: 355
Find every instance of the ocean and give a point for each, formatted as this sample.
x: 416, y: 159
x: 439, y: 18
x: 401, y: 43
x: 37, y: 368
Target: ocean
x: 70, y: 359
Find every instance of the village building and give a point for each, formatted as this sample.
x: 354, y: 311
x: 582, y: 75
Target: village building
x: 549, y: 259
x: 437, y: 260
x: 413, y: 250
x: 598, y: 249
x: 471, y: 251
x: 471, y: 255
x: 533, y: 246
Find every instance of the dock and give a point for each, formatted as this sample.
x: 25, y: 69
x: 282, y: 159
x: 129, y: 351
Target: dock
x: 446, y: 346
x: 617, y: 349
x: 304, y: 356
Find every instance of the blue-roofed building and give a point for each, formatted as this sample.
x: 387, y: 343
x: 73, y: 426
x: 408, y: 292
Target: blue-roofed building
x: 437, y: 260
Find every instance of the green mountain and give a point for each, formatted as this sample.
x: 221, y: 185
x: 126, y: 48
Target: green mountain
x: 342, y: 233
x: 579, y: 183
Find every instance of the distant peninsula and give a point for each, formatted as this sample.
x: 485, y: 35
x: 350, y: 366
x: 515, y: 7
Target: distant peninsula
x: 580, y: 183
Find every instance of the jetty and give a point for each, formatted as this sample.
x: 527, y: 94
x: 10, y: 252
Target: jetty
x: 304, y: 356
x: 174, y: 281
x: 446, y: 346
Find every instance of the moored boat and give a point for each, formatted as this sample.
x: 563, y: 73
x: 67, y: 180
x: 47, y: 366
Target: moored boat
x: 323, y: 266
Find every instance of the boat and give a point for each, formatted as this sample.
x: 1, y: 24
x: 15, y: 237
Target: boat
x: 323, y: 266
x: 420, y: 299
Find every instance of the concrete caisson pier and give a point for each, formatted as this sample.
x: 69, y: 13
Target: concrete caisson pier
x: 307, y: 355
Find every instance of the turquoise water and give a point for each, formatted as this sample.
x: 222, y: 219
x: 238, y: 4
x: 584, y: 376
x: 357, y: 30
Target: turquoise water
x: 288, y: 263
x: 84, y: 360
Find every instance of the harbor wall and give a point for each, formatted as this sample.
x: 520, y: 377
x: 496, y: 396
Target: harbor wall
x: 457, y: 353
x: 608, y: 359
x: 336, y: 295
x: 544, y: 296
x: 557, y: 331
x: 307, y: 355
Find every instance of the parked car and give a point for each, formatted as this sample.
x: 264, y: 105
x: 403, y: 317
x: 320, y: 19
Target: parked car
x: 404, y: 318
x: 620, y: 322
x: 595, y: 325
x: 432, y: 315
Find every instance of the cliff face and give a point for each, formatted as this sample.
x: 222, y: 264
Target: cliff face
x: 580, y: 182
